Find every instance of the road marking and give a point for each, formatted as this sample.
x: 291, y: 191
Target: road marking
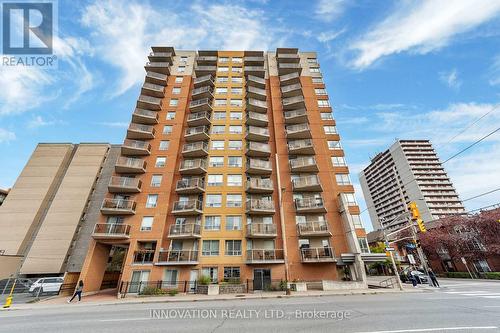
x: 436, y: 329
x: 124, y: 319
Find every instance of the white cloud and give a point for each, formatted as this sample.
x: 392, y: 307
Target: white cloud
x: 421, y: 27
x: 328, y: 10
x: 6, y: 136
x: 451, y: 79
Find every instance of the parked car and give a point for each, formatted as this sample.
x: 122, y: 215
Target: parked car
x: 46, y: 285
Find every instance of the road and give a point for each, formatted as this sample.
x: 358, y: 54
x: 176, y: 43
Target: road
x: 460, y: 306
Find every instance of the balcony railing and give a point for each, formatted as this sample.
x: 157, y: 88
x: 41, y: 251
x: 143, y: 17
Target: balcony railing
x: 257, y: 119
x: 256, y: 166
x: 261, y: 230
x: 308, y: 229
x: 299, y: 147
x: 201, y: 81
x: 257, y: 206
x: 258, y: 149
x: 317, y: 254
x: 140, y: 131
x: 117, y: 207
x: 198, y: 133
x: 258, y: 185
x: 296, y: 116
x: 178, y: 257
x: 257, y: 133
x: 124, y: 185
x: 188, y: 207
x: 291, y: 78
x: 199, y: 118
x: 256, y: 105
x: 193, y: 167
x: 130, y: 165
x: 257, y: 93
x: 154, y: 90
x: 135, y: 147
x: 256, y: 81
x: 142, y: 116
x: 159, y: 67
x: 202, y: 92
x: 156, y: 78
x: 143, y: 257
x: 187, y: 230
x: 309, y: 183
x: 195, y: 149
x: 257, y: 256
x: 295, y: 102
x: 204, y: 104
x: 310, y: 205
x: 190, y: 186
x: 305, y: 164
x: 111, y: 230
x: 148, y: 102
x: 298, y: 131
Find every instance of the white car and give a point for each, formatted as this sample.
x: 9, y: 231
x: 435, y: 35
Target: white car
x: 46, y: 285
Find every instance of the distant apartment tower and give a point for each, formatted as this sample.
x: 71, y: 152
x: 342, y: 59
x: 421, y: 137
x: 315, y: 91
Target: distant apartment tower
x: 408, y: 171
x: 48, y: 217
x: 231, y: 168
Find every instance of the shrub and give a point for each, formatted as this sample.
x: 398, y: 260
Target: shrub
x: 492, y: 275
x: 204, y: 280
x: 458, y: 275
x: 173, y: 292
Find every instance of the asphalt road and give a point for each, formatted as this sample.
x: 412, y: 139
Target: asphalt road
x: 460, y: 306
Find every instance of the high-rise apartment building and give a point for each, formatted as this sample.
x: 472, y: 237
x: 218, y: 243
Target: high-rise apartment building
x: 408, y: 171
x: 231, y: 168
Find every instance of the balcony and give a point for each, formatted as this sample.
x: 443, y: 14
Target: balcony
x: 259, y: 167
x: 193, y: 185
x: 292, y: 78
x: 135, y: 148
x: 308, y: 183
x: 205, y: 70
x: 199, y: 119
x: 147, y: 117
x: 140, y: 131
x: 298, y: 131
x: 185, y: 231
x: 206, y: 60
x: 261, y: 230
x: 149, y: 103
x: 177, y: 257
x: 253, y: 60
x: 257, y: 93
x: 158, y: 67
x: 255, y: 81
x: 111, y: 231
x: 274, y: 256
x: 195, y: 149
x: 143, y: 257
x: 193, y: 167
x: 130, y: 165
x: 203, y: 81
x: 309, y: 229
x: 161, y: 57
x: 255, y: 70
x: 256, y: 105
x: 204, y: 104
x: 258, y: 185
x: 154, y: 90
x: 156, y: 78
x: 291, y: 90
x: 258, y: 149
x: 260, y: 207
x: 124, y: 185
x: 295, y: 116
x: 304, y: 164
x: 202, y: 92
x: 198, y: 133
x: 301, y: 147
x: 310, y: 205
x: 188, y: 207
x: 288, y: 58
x: 292, y: 103
x: 287, y: 68
x: 317, y: 255
x: 257, y: 119
x: 257, y: 133
x: 117, y: 207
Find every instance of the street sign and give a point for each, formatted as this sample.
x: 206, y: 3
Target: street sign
x: 389, y: 249
x: 411, y: 259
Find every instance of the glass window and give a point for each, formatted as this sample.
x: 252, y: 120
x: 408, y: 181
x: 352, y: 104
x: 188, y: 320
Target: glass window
x: 235, y: 161
x: 235, y: 129
x: 231, y: 273
x: 320, y: 91
x: 152, y: 200
x: 147, y: 223
x: 218, y: 129
x: 233, y: 200
x: 174, y: 102
x: 326, y: 116
x: 233, y: 248
x: 210, y: 248
x: 220, y: 102
x: 236, y: 91
x: 342, y: 179
x: 363, y: 244
x: 176, y: 90
x: 219, y: 115
x: 216, y: 161
x: 167, y: 129
x: 212, y: 222
x: 178, y: 79
x: 356, y: 220
x: 164, y: 144
x: 234, y: 180
x: 215, y: 180
x: 235, y: 116
x: 170, y: 115
x: 236, y: 79
x: 323, y: 103
x: 236, y: 102
x: 181, y: 69
x: 330, y: 129
x: 233, y: 222
x: 332, y: 145
x: 217, y: 144
x: 338, y: 161
x: 156, y: 180
x: 160, y: 161
x: 235, y: 144
x: 221, y: 90
x: 214, y: 200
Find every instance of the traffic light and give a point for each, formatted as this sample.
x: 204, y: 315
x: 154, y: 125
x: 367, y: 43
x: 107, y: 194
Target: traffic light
x: 421, y: 225
x: 415, y: 214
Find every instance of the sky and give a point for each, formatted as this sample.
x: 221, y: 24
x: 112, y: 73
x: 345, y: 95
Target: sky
x: 393, y: 69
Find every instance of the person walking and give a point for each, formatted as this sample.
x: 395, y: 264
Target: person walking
x: 78, y: 291
x: 433, y: 278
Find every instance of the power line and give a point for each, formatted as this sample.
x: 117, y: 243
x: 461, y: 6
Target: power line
x: 482, y: 194
x: 472, y: 145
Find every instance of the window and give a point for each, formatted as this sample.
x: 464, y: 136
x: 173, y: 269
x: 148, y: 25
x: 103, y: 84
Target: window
x: 211, y: 272
x: 236, y: 79
x: 233, y: 129
x: 233, y: 222
x: 333, y: 145
x: 342, y: 179
x: 221, y: 90
x: 210, y: 248
x: 235, y: 116
x: 181, y: 69
x: 178, y: 79
x: 236, y: 91
x: 237, y: 60
x: 160, y: 162
x: 217, y: 144
x: 219, y: 115
x: 235, y: 144
x: 338, y: 161
x: 212, y: 222
x: 356, y: 220
x: 214, y: 200
x: 218, y: 129
x: 152, y: 200
x: 234, y: 180
x: 156, y: 180
x: 170, y: 277
x: 176, y: 90
x: 231, y: 273
x: 174, y: 102
x: 323, y: 103
x: 233, y: 200
x: 220, y: 102
x: 164, y: 145
x: 235, y: 161
x: 236, y: 102
x: 317, y: 80
x: 222, y: 79
x: 363, y: 244
x: 216, y: 161
x: 215, y: 180
x: 320, y: 91
x: 314, y: 69
x: 233, y: 248
x: 223, y: 69
x: 147, y: 223
x: 167, y: 129
x: 170, y: 115
x: 326, y: 116
x: 330, y: 129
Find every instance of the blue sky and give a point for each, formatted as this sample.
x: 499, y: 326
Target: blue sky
x: 401, y: 69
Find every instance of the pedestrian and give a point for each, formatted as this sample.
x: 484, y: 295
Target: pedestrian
x: 78, y: 291
x: 433, y: 278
